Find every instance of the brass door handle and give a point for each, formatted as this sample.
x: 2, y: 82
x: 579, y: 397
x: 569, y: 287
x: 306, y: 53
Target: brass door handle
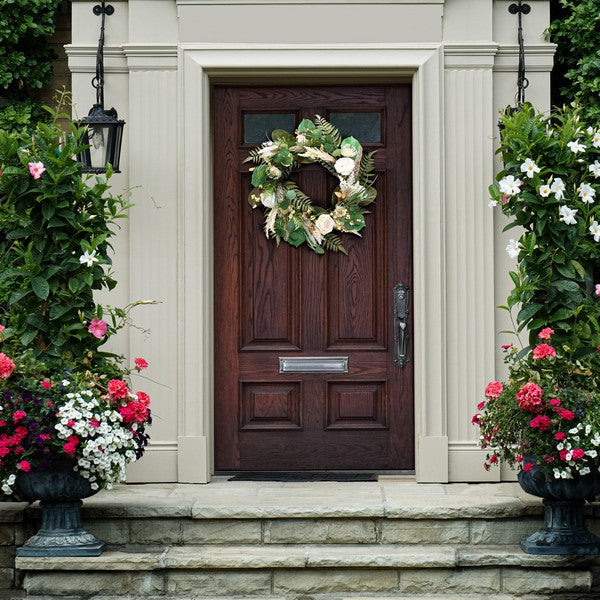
x: 401, y: 333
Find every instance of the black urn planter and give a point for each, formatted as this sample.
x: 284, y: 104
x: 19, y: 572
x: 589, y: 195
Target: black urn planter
x: 60, y: 491
x: 564, y: 530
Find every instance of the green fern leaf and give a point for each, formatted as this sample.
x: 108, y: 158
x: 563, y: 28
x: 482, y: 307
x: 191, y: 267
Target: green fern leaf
x: 328, y: 129
x: 333, y: 243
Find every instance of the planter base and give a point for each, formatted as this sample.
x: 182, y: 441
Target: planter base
x: 564, y: 531
x: 61, y: 533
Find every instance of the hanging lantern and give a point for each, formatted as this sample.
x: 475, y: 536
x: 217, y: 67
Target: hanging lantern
x: 103, y: 129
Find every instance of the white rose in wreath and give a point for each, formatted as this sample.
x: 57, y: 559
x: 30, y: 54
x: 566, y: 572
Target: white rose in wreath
x: 268, y: 199
x: 325, y: 224
x: 274, y: 172
x: 344, y: 166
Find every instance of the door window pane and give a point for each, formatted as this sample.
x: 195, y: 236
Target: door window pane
x: 258, y: 126
x: 364, y: 126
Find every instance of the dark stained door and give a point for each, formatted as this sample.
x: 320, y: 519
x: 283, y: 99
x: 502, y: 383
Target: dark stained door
x: 273, y: 302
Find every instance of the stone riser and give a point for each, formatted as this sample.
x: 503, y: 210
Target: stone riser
x: 132, y: 533
x: 329, y: 584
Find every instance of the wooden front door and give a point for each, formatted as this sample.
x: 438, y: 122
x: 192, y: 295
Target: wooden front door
x: 281, y: 302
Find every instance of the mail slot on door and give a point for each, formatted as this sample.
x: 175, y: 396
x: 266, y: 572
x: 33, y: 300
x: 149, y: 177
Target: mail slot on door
x: 313, y: 364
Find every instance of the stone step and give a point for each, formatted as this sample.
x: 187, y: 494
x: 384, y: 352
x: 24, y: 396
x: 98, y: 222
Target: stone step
x: 329, y: 570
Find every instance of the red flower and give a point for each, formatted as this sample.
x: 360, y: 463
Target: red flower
x: 577, y: 453
x: 481, y: 405
x: 519, y: 458
x: 529, y: 397
x: 567, y: 415
x: 94, y: 423
x: 24, y: 466
x: 527, y: 467
x: 46, y: 384
x: 542, y: 351
x: 140, y: 364
x: 2, y: 422
x: 49, y: 403
x: 545, y: 333
x: 493, y: 459
x: 7, y: 366
x: 542, y: 422
x: 554, y: 402
x: 559, y: 435
x: 475, y: 419
x: 506, y: 346
x: 70, y: 423
x: 143, y: 398
x: 18, y: 415
x: 563, y: 455
x: 549, y: 459
x: 493, y: 389
x: 117, y: 388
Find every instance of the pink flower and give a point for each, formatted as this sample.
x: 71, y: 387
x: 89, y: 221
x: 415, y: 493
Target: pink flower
x: 506, y: 346
x: 140, y: 363
x: 493, y: 459
x: 542, y: 351
x: 563, y: 455
x: 97, y: 328
x: 18, y: 416
x: 7, y: 366
x: 117, y: 389
x: 24, y: 466
x: 481, y: 405
x: 577, y: 453
x: 36, y: 169
x: 541, y: 422
x: 94, y: 422
x: 545, y: 333
x: 567, y: 415
x: 560, y: 436
x: 46, y: 384
x: 527, y: 467
x: 475, y: 419
x: 143, y: 398
x: 598, y: 289
x: 554, y: 402
x: 529, y: 396
x: 493, y: 389
x: 2, y: 328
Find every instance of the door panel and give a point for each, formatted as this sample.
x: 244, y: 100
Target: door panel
x: 273, y: 302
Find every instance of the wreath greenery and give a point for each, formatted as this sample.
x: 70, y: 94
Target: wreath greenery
x: 290, y: 214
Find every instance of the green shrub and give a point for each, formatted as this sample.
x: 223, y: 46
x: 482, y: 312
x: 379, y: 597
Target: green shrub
x: 576, y: 30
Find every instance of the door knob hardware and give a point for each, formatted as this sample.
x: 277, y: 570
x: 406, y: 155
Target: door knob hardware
x: 401, y: 333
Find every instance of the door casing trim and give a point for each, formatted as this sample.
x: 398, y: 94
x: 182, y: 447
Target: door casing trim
x: 200, y: 66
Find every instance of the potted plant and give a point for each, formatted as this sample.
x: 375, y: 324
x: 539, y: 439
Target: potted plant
x: 70, y: 421
x: 546, y: 417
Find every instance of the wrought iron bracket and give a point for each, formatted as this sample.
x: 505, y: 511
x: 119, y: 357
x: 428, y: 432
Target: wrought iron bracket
x: 520, y: 8
x: 513, y: 9
x: 103, y: 9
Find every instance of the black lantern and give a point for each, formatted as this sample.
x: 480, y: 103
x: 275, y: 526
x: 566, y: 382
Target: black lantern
x: 104, y: 130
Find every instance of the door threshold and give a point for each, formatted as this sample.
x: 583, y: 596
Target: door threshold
x: 309, y: 476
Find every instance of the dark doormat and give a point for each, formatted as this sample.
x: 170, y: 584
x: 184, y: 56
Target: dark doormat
x: 301, y: 476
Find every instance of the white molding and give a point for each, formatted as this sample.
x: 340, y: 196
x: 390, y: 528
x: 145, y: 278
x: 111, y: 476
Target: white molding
x: 202, y: 63
x: 539, y: 58
x: 82, y: 58
x: 469, y: 55
x: 151, y: 56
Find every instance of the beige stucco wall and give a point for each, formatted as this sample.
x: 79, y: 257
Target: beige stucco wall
x: 161, y: 57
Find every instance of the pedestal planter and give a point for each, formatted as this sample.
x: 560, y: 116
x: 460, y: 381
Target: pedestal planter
x: 60, y: 491
x: 564, y: 530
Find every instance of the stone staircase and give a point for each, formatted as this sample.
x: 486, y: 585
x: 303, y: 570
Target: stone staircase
x: 280, y: 541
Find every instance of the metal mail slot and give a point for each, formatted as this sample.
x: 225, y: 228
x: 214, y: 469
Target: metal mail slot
x: 313, y: 364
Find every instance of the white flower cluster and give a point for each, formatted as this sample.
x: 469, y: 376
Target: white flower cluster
x: 578, y: 436
x: 7, y: 484
x: 105, y: 447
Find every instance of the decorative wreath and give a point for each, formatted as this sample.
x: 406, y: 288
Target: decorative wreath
x: 290, y: 214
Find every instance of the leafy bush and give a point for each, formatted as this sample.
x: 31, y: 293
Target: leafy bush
x: 577, y: 33
x: 548, y: 190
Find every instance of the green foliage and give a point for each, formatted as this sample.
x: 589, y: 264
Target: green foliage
x: 555, y: 261
x: 25, y: 58
x: 22, y: 116
x: 577, y: 33
x: 48, y: 225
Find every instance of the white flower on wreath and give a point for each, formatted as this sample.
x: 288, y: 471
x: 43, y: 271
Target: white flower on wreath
x: 594, y: 168
x: 268, y: 199
x: 344, y: 166
x: 586, y: 193
x: 567, y: 215
x: 273, y: 172
x: 509, y: 185
x: 558, y: 188
x: 269, y: 149
x: 595, y: 231
x: 513, y: 248
x: 529, y: 168
x: 325, y: 224
x: 576, y: 146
